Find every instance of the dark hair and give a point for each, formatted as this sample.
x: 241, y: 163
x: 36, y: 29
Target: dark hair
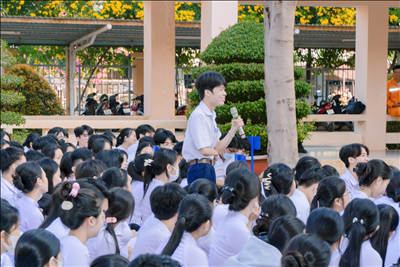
x: 88, y: 129
x: 45, y: 203
x: 178, y: 148
x: 194, y: 210
x: 56, y: 130
x: 351, y: 151
x: 161, y: 159
x: 306, y: 251
x: 9, y: 216
x: 136, y: 167
x: 112, y: 158
x: 281, y: 179
x: 271, y: 209
x: 208, y: 81
x: 326, y: 224
x: 110, y: 134
x: 50, y: 167
x: 91, y: 140
x: 236, y: 165
x: 164, y: 200
x: 367, y: 172
x: 30, y: 139
x: 43, y: 141
x: 143, y: 129
x: 50, y: 150
x: 15, y: 144
x: 54, y: 208
x: 205, y: 188
x: 389, y: 220
x: 328, y: 190
x: 395, y: 67
x: 392, y: 190
x: 66, y: 165
x: 331, y: 170
x: 3, y: 143
x: 153, y: 260
x: 304, y: 164
x: 98, y: 145
x: 126, y: 132
x: 148, y: 139
x: 113, y: 177
x: 282, y: 230
x: 312, y: 176
x: 81, y: 154
x: 356, y: 230
x: 9, y: 156
x: 65, y: 146
x: 33, y: 155
x: 78, y: 131
x: 120, y: 208
x: 110, y: 260
x: 4, y: 133
x: 161, y: 137
x: 90, y: 168
x: 143, y: 145
x: 26, y: 175
x: 244, y: 189
x: 183, y: 170
x: 246, y: 144
x: 234, y: 142
x: 35, y: 248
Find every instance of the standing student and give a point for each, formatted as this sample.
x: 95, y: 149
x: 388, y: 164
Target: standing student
x: 10, y: 232
x: 201, y: 146
x: 164, y: 204
x: 278, y: 179
x: 28, y: 144
x: 234, y: 231
x: 53, y: 173
x: 373, y: 177
x: 59, y: 133
x: 331, y: 193
x: 11, y: 158
x: 194, y: 221
x: 32, y: 181
x: 351, y: 155
x: 163, y: 169
x: 361, y: 221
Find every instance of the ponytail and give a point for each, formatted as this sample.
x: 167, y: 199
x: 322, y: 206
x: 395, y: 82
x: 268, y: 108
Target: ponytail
x: 367, y: 172
x: 26, y: 175
x: 176, y: 236
x: 277, y: 179
x: 294, y: 259
x: 328, y: 190
x: 126, y: 132
x: 393, y: 188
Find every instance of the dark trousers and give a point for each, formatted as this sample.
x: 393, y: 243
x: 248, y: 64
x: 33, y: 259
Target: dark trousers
x: 201, y: 170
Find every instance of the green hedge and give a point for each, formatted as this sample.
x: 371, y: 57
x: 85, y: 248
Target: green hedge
x: 251, y: 130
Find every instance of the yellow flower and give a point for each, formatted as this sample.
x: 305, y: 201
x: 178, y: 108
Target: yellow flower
x: 40, y: 12
x: 306, y: 8
x: 131, y: 16
x: 21, y: 2
x: 50, y: 12
x: 73, y: 6
x: 83, y: 8
x: 35, y: 48
x: 320, y: 14
x: 33, y: 14
x: 18, y: 7
x: 45, y: 13
x: 310, y: 16
x: 324, y: 21
x: 106, y: 16
x: 393, y: 18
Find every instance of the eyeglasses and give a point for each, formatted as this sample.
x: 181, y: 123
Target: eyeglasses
x: 168, y: 144
x: 349, y: 194
x: 232, y: 151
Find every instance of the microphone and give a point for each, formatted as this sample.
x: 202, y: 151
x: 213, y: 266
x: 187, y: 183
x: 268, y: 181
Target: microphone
x: 235, y: 115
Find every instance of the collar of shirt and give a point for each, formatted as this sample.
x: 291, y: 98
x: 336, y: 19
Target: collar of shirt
x: 28, y: 199
x: 187, y: 236
x: 204, y: 107
x: 7, y: 183
x: 351, y: 178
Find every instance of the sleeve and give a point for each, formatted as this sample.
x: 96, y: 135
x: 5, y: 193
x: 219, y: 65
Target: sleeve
x: 390, y: 102
x: 35, y: 221
x: 197, y: 132
x: 238, y: 236
x: 219, y: 169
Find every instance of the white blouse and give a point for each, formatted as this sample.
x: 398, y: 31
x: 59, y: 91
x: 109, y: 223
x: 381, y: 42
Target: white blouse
x: 124, y: 234
x: 145, y: 203
x: 6, y: 261
x: 220, y: 212
x: 302, y: 205
x: 58, y: 229
x: 229, y: 238
x: 102, y: 244
x: 9, y: 192
x: 359, y: 194
x: 204, y: 242
x: 351, y: 184
x: 137, y: 192
x: 29, y: 213
x: 74, y: 252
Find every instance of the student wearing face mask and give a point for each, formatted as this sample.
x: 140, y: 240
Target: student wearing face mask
x: 10, y: 232
x: 228, y: 157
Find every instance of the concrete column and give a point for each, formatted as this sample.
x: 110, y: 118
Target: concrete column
x: 159, y: 59
x: 371, y: 63
x: 216, y: 16
x: 138, y: 74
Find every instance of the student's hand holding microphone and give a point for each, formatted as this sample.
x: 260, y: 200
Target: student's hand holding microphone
x: 237, y: 123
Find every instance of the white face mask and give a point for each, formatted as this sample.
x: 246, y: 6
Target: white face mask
x: 14, y: 240
x: 173, y: 178
x: 59, y: 263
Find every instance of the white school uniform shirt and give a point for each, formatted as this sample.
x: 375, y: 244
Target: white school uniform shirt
x: 29, y: 213
x: 145, y: 203
x: 149, y: 237
x: 229, y: 239
x: 351, y: 184
x: 201, y: 132
x: 6, y: 261
x: 102, y: 244
x: 137, y: 192
x: 183, y: 183
x: 124, y: 234
x: 74, y: 252
x: 9, y: 192
x: 26, y: 149
x: 58, y: 229
x: 132, y: 151
x: 302, y: 205
x: 204, y: 242
x: 221, y: 166
x: 359, y: 194
x: 220, y: 212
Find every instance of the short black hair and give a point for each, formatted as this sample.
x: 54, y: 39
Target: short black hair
x: 30, y: 139
x: 395, y: 67
x: 110, y: 260
x: 178, y: 148
x: 246, y: 144
x: 112, y: 158
x: 16, y: 144
x: 351, y: 150
x: 9, y: 156
x: 235, y: 165
x: 33, y: 155
x: 81, y: 154
x: 164, y: 200
x: 234, y: 142
x: 143, y: 129
x: 4, y: 133
x: 43, y: 141
x: 66, y: 165
x: 304, y: 164
x: 313, y: 176
x: 45, y: 203
x: 153, y: 260
x: 90, y: 168
x: 161, y: 137
x: 208, y: 81
x: 65, y: 146
x: 143, y: 145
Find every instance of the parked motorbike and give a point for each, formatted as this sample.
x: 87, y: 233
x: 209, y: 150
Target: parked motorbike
x: 180, y: 110
x: 338, y: 109
x: 103, y: 109
x: 90, y: 106
x: 325, y: 108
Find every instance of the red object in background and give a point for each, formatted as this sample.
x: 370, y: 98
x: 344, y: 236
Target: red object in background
x: 260, y: 164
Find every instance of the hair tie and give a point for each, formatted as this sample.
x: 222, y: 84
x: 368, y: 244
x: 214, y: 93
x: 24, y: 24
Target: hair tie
x: 182, y: 216
x: 397, y: 192
x: 267, y: 181
x: 264, y: 214
x: 356, y: 220
x: 74, y: 190
x: 147, y: 162
x: 226, y: 187
x: 111, y: 220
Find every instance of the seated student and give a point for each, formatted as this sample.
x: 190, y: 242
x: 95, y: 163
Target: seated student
x: 194, y: 221
x: 153, y: 260
x: 278, y: 179
x: 304, y: 164
x: 149, y: 139
x: 100, y: 144
x: 124, y: 164
x: 112, y: 137
x: 53, y: 152
x: 236, y: 165
x: 126, y: 139
x: 6, y: 136
x: 229, y: 156
x: 28, y: 144
x: 4, y: 144
x: 10, y: 232
x: 136, y: 171
x: 271, y: 209
x: 143, y: 130
x: 67, y: 147
x: 91, y: 139
x: 331, y: 170
x: 388, y: 223
x: 114, y: 177
x: 178, y: 148
x: 59, y: 133
x: 16, y: 144
x: 80, y: 155
x: 161, y: 170
x: 82, y: 135
x: 306, y: 251
x: 112, y: 158
x: 43, y: 141
x: 305, y: 192
x: 53, y: 173
x: 11, y: 158
x: 164, y: 204
x: 115, y: 234
x: 183, y: 169
x: 45, y: 203
x: 33, y: 155
x: 38, y: 247
x: 351, y: 155
x: 165, y: 139
x: 373, y: 177
x: 110, y: 260
x: 331, y: 193
x: 32, y: 181
x: 90, y: 168
x: 234, y: 231
x: 82, y: 210
x: 66, y: 167
x: 245, y: 147
x: 144, y: 148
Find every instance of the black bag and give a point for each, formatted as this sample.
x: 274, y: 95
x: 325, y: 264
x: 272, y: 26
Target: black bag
x: 355, y: 107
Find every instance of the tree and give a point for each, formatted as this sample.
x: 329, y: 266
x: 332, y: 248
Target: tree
x: 279, y: 82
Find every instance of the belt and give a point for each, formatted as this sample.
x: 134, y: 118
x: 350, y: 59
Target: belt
x: 198, y: 161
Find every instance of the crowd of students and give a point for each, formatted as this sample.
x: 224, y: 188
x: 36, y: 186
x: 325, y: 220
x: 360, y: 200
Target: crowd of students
x: 125, y: 200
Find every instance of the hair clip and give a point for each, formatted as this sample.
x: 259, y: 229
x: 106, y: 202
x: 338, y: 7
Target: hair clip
x: 147, y: 162
x: 225, y: 187
x: 67, y: 205
x: 264, y: 214
x: 397, y: 192
x: 356, y: 220
x: 111, y: 220
x: 267, y: 181
x: 74, y: 190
